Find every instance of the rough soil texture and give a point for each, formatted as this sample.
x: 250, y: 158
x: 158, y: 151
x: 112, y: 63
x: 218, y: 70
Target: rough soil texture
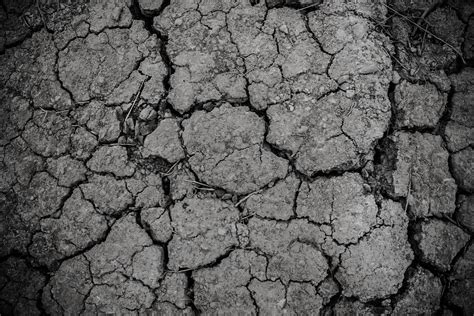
x: 236, y: 157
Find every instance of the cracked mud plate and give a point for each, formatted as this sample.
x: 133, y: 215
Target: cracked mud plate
x: 278, y: 157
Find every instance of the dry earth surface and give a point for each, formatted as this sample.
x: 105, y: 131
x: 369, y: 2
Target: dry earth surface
x: 242, y: 157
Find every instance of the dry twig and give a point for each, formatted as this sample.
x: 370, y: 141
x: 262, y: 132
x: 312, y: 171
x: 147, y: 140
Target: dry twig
x: 136, y: 99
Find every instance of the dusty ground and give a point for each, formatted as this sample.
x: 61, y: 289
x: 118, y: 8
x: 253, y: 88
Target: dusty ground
x: 199, y: 156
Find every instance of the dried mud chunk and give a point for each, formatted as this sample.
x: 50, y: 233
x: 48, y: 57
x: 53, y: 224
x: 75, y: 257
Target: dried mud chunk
x: 421, y: 170
x: 15, y: 234
x: 446, y: 25
x: 109, y: 14
x: 121, y: 298
x: 150, y: 7
x: 334, y: 32
x: 226, y: 149
x: 174, y: 288
x: 460, y: 129
x: 341, y: 202
x: 118, y: 274
x: 207, y: 63
x: 461, y: 283
x: 20, y: 287
x: 67, y: 170
x: 82, y: 143
x: 78, y: 227
x: 204, y: 230
x: 360, y: 58
x: 276, y: 202
x: 41, y: 198
x: 127, y: 250
x: 15, y: 112
x: 48, y: 134
x: 351, y: 307
x: 158, y: 222
x: 269, y: 296
x: 300, y: 52
x: 101, y: 121
x: 302, y: 299
x: 111, y: 159
x: 463, y: 169
x: 68, y: 287
x: 465, y: 214
x: 469, y: 40
x: 299, y: 262
x: 147, y: 188
x: 317, y: 144
x: 20, y: 164
x: 110, y: 196
x: 273, y: 237
x: 223, y: 288
x: 164, y: 142
x: 439, y: 242
x: 419, y: 105
x: 390, y: 254
x: 180, y: 185
x: 165, y: 308
x: 423, y: 295
x: 92, y: 67
x: 33, y: 73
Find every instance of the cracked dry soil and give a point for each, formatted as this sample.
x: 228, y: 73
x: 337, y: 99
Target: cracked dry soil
x: 237, y: 157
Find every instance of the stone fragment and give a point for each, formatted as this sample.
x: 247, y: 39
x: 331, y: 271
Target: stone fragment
x: 226, y: 149
x: 111, y: 159
x: 78, y: 227
x: 423, y: 295
x: 418, y: 105
x: 439, y: 242
x: 109, y: 195
x: 465, y: 214
x: 341, y: 202
x: 276, y: 202
x: 67, y: 170
x: 417, y: 165
x: 164, y: 142
x: 390, y: 255
x: 463, y: 169
x: 20, y: 287
x: 223, y: 288
x: 204, y: 229
x: 461, y: 288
